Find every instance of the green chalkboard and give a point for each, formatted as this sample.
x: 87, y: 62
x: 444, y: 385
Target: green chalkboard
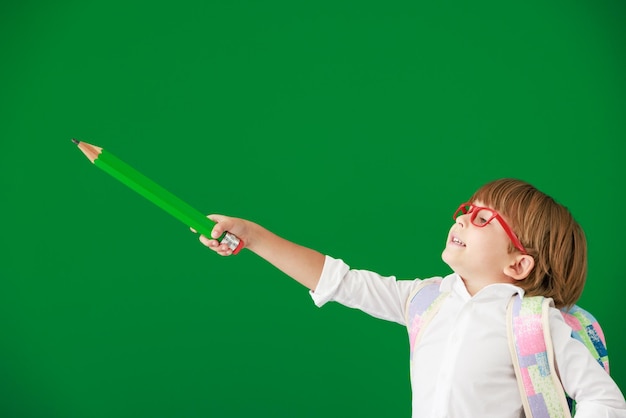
x: 352, y: 127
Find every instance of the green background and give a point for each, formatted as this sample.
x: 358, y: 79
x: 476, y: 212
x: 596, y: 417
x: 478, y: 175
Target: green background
x: 352, y: 127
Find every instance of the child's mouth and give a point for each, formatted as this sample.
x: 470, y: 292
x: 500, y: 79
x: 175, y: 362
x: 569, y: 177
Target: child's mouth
x: 457, y: 241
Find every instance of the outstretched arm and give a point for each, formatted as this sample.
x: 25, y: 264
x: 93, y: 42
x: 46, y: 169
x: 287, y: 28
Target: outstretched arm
x: 302, y: 264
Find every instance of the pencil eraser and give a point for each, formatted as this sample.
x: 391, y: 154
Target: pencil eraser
x: 239, y: 247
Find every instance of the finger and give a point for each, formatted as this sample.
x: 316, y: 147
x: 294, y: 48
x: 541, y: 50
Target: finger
x: 225, y: 252
x: 221, y: 249
x: 209, y: 242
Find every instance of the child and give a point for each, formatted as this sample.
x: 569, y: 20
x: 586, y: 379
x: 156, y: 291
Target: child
x: 509, y: 239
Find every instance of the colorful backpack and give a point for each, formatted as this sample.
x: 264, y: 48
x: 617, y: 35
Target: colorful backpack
x: 529, y: 341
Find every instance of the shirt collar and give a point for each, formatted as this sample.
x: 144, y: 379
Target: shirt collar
x: 454, y: 283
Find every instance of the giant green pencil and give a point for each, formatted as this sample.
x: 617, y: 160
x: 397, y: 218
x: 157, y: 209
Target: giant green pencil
x: 155, y: 193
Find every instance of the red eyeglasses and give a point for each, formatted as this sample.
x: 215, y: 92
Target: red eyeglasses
x: 480, y: 217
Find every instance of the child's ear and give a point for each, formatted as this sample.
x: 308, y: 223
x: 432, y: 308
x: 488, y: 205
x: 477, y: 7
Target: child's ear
x: 520, y: 267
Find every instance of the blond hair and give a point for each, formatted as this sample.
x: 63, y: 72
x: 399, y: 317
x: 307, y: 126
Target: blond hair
x: 550, y: 235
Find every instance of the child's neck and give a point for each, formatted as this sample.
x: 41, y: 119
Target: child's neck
x: 475, y: 286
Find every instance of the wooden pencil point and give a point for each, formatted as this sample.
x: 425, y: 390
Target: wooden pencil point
x: 91, y: 151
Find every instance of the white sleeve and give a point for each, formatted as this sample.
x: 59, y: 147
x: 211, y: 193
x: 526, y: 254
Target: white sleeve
x: 381, y: 297
x: 584, y: 380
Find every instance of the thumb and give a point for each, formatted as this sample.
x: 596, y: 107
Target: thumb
x: 221, y: 225
x: 214, y: 218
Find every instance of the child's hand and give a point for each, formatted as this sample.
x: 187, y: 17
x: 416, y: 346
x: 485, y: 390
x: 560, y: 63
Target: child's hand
x: 235, y: 226
x: 303, y: 264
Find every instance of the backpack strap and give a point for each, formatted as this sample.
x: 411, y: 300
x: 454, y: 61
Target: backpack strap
x: 533, y: 358
x: 422, y: 306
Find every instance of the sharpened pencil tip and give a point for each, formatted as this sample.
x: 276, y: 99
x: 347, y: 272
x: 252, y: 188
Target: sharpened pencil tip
x: 76, y: 141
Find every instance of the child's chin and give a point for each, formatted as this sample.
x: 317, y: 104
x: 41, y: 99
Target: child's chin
x: 450, y: 257
x: 446, y: 256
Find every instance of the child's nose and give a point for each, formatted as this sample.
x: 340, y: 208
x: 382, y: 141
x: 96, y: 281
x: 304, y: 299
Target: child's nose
x: 462, y: 220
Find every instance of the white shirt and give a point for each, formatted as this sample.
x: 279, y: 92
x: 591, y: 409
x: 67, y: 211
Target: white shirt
x: 462, y: 366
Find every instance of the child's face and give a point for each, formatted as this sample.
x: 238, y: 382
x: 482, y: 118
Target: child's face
x: 478, y: 253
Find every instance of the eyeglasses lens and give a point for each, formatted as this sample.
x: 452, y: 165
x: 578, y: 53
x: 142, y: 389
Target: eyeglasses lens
x: 482, y: 217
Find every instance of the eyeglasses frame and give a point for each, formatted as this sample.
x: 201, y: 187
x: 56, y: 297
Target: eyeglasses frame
x: 473, y: 210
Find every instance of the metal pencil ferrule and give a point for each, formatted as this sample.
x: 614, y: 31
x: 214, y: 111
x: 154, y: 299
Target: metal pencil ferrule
x: 234, y: 243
